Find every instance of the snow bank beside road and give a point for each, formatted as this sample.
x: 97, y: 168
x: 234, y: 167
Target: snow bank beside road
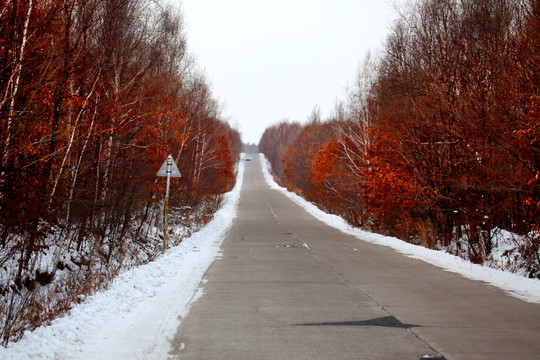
x: 138, y: 315
x: 515, y: 285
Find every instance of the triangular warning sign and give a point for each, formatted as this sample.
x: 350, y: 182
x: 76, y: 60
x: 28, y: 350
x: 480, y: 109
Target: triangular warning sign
x: 171, y: 165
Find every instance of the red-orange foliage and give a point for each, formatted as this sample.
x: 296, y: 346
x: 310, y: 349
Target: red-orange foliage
x: 335, y: 182
x: 392, y: 196
x: 276, y: 142
x: 301, y: 154
x: 326, y: 166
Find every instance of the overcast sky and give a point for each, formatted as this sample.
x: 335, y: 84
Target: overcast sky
x: 273, y: 60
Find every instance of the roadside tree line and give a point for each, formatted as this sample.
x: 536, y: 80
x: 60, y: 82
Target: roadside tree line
x: 94, y: 94
x: 439, y: 141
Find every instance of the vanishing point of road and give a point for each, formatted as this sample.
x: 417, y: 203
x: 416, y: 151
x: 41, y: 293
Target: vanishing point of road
x: 288, y: 286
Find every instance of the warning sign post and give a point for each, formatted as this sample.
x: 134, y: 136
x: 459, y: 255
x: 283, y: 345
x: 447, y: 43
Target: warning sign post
x: 168, y: 169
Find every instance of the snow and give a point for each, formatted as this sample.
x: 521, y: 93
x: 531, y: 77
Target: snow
x: 138, y: 315
x: 513, y: 284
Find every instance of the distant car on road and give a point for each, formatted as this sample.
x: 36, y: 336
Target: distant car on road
x: 248, y: 158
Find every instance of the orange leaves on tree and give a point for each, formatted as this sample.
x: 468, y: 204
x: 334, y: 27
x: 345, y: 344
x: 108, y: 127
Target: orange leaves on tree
x: 390, y: 195
x: 224, y: 170
x: 325, y: 165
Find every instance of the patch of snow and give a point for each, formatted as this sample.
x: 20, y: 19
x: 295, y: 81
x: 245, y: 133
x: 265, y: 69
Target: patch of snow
x: 514, y: 284
x: 138, y: 315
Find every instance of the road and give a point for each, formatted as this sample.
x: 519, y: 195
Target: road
x: 289, y: 287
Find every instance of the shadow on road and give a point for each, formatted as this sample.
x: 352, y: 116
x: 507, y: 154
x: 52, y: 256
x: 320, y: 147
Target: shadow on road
x: 387, y: 321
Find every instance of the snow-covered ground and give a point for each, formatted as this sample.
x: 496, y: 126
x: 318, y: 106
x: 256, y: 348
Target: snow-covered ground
x: 514, y: 284
x: 139, y: 313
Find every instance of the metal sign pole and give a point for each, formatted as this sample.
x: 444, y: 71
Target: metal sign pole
x: 168, y: 169
x: 165, y: 226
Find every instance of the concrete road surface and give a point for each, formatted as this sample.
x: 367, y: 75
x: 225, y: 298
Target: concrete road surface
x: 289, y: 287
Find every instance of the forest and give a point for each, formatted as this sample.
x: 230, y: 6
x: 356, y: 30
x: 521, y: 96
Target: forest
x: 438, y: 141
x: 94, y: 95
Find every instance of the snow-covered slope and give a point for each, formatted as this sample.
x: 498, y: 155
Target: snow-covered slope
x: 139, y: 313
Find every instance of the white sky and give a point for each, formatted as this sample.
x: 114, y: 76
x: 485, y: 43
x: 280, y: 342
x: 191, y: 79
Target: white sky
x: 273, y: 60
